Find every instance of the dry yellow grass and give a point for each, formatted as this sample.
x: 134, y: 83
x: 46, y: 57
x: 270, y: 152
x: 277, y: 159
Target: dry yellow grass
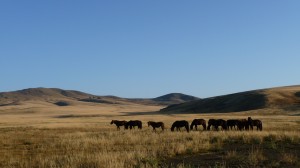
x: 81, y: 136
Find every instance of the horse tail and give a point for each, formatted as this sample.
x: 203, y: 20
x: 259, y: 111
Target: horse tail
x: 140, y: 125
x: 260, y: 126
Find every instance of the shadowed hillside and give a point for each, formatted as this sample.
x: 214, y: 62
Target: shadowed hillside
x: 283, y: 97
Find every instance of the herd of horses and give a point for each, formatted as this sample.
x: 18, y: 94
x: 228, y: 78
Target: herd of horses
x: 214, y: 124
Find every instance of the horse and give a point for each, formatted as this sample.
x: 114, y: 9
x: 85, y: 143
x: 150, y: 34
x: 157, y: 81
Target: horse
x: 232, y: 124
x: 118, y: 123
x: 179, y: 124
x: 156, y: 125
x: 217, y: 123
x: 197, y: 122
x: 242, y: 124
x: 256, y: 123
x: 133, y: 123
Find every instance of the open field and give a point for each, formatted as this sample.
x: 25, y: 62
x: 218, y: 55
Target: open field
x: 81, y: 136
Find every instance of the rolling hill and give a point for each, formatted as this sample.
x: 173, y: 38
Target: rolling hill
x: 287, y: 98
x: 62, y: 97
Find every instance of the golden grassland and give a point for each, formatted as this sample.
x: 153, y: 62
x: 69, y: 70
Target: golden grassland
x: 81, y: 136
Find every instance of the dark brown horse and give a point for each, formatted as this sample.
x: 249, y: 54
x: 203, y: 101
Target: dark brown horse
x: 256, y: 123
x: 197, y: 122
x: 156, y: 125
x: 216, y: 123
x: 232, y: 124
x: 132, y: 123
x: 118, y: 123
x: 243, y: 124
x: 179, y: 124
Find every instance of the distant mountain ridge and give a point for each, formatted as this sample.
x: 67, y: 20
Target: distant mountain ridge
x: 64, y: 97
x: 175, y: 98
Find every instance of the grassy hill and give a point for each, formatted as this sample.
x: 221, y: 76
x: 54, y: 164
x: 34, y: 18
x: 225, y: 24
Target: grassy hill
x: 49, y: 95
x: 287, y: 98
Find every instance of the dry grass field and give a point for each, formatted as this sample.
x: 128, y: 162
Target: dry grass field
x: 35, y: 134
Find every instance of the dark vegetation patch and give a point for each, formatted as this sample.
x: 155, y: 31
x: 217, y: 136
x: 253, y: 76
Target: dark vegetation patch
x: 10, y: 104
x: 81, y: 116
x: 97, y: 100
x: 297, y: 94
x: 269, y: 153
x: 229, y: 103
x: 62, y: 103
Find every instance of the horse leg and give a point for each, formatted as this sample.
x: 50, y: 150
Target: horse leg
x: 196, y: 127
x: 216, y: 128
x: 118, y: 127
x: 187, y: 128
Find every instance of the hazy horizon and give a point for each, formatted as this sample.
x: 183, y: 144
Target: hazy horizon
x: 143, y: 49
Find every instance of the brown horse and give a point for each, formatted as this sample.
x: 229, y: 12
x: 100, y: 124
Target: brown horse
x: 216, y: 123
x: 256, y: 123
x: 243, y: 124
x: 118, y: 123
x: 133, y: 123
x: 232, y: 124
x: 179, y: 124
x: 197, y: 122
x: 156, y: 125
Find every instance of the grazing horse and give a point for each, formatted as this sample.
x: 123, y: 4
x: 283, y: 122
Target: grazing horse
x: 156, y: 125
x: 256, y: 123
x: 133, y: 123
x: 217, y: 123
x: 118, y: 123
x: 197, y: 122
x: 179, y: 124
x: 232, y: 124
x: 243, y: 124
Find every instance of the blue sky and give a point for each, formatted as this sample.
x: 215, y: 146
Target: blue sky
x: 149, y: 48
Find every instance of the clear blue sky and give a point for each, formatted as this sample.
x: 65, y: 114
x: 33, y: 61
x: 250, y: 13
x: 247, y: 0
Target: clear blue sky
x: 143, y: 48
